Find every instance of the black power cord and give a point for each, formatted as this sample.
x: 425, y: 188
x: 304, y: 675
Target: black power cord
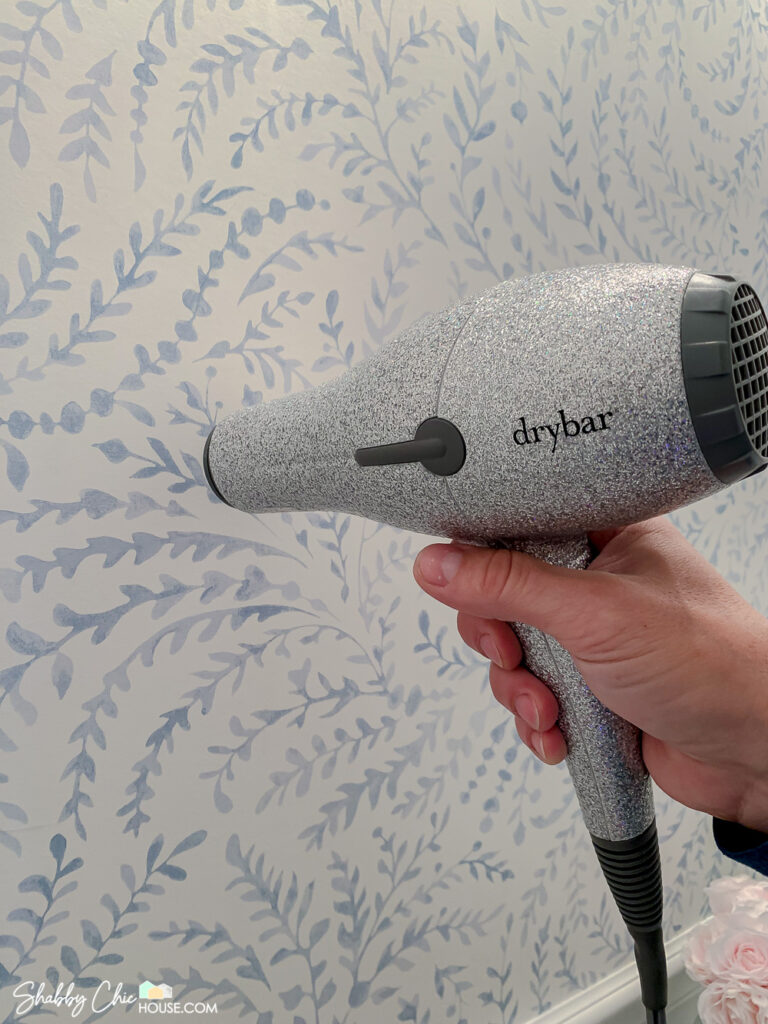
x: 632, y: 868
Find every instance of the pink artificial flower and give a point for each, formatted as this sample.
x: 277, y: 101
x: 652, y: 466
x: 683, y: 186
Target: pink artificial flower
x: 725, y: 1002
x: 697, y: 951
x: 753, y: 918
x: 736, y: 892
x: 740, y: 957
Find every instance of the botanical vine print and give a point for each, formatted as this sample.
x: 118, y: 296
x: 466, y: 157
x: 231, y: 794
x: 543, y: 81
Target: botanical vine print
x: 245, y: 757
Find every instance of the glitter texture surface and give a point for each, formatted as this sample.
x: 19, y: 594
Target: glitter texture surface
x: 604, y: 753
x: 601, y: 339
x: 586, y: 340
x: 297, y: 452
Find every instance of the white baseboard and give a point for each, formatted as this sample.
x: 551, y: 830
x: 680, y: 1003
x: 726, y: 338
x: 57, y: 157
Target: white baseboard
x: 616, y: 999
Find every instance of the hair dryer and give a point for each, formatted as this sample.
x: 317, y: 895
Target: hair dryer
x: 548, y: 406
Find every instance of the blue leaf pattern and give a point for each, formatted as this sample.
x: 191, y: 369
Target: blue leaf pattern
x: 246, y: 757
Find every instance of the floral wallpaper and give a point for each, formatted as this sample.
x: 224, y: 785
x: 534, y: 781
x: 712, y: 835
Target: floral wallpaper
x: 246, y: 757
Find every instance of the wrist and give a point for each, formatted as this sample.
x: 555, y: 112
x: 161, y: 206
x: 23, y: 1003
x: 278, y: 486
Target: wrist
x: 750, y: 738
x: 751, y: 813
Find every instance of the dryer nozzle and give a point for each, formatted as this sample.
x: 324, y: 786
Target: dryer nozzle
x: 724, y: 350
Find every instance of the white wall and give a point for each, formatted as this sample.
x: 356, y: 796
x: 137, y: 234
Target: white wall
x: 370, y: 842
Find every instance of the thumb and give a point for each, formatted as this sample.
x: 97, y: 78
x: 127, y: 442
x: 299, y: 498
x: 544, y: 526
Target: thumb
x: 496, y: 583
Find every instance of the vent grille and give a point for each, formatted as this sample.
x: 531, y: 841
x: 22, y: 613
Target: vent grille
x: 749, y: 339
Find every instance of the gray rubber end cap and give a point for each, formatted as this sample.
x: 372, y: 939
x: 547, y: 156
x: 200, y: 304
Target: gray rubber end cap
x: 707, y: 352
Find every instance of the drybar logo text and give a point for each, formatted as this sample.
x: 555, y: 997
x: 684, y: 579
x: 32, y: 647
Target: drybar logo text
x: 563, y: 427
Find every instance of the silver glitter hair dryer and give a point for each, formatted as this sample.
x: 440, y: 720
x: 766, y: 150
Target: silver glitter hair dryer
x: 545, y: 407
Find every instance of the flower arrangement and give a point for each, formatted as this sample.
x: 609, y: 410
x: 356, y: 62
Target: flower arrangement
x: 728, y: 954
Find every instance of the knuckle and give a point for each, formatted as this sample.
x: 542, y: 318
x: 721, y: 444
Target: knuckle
x: 496, y: 575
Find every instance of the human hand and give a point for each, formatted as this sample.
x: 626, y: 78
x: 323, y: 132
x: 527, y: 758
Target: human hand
x: 659, y: 637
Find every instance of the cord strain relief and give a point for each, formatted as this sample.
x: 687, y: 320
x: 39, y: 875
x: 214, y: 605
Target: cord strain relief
x: 632, y: 868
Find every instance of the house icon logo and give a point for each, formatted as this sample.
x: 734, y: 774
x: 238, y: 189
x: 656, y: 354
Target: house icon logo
x: 147, y: 990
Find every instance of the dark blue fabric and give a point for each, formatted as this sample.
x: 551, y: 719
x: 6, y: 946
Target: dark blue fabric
x: 741, y: 844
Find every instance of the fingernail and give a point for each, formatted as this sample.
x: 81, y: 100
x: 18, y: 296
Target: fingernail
x: 438, y: 565
x: 489, y: 648
x: 537, y: 741
x: 526, y: 709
